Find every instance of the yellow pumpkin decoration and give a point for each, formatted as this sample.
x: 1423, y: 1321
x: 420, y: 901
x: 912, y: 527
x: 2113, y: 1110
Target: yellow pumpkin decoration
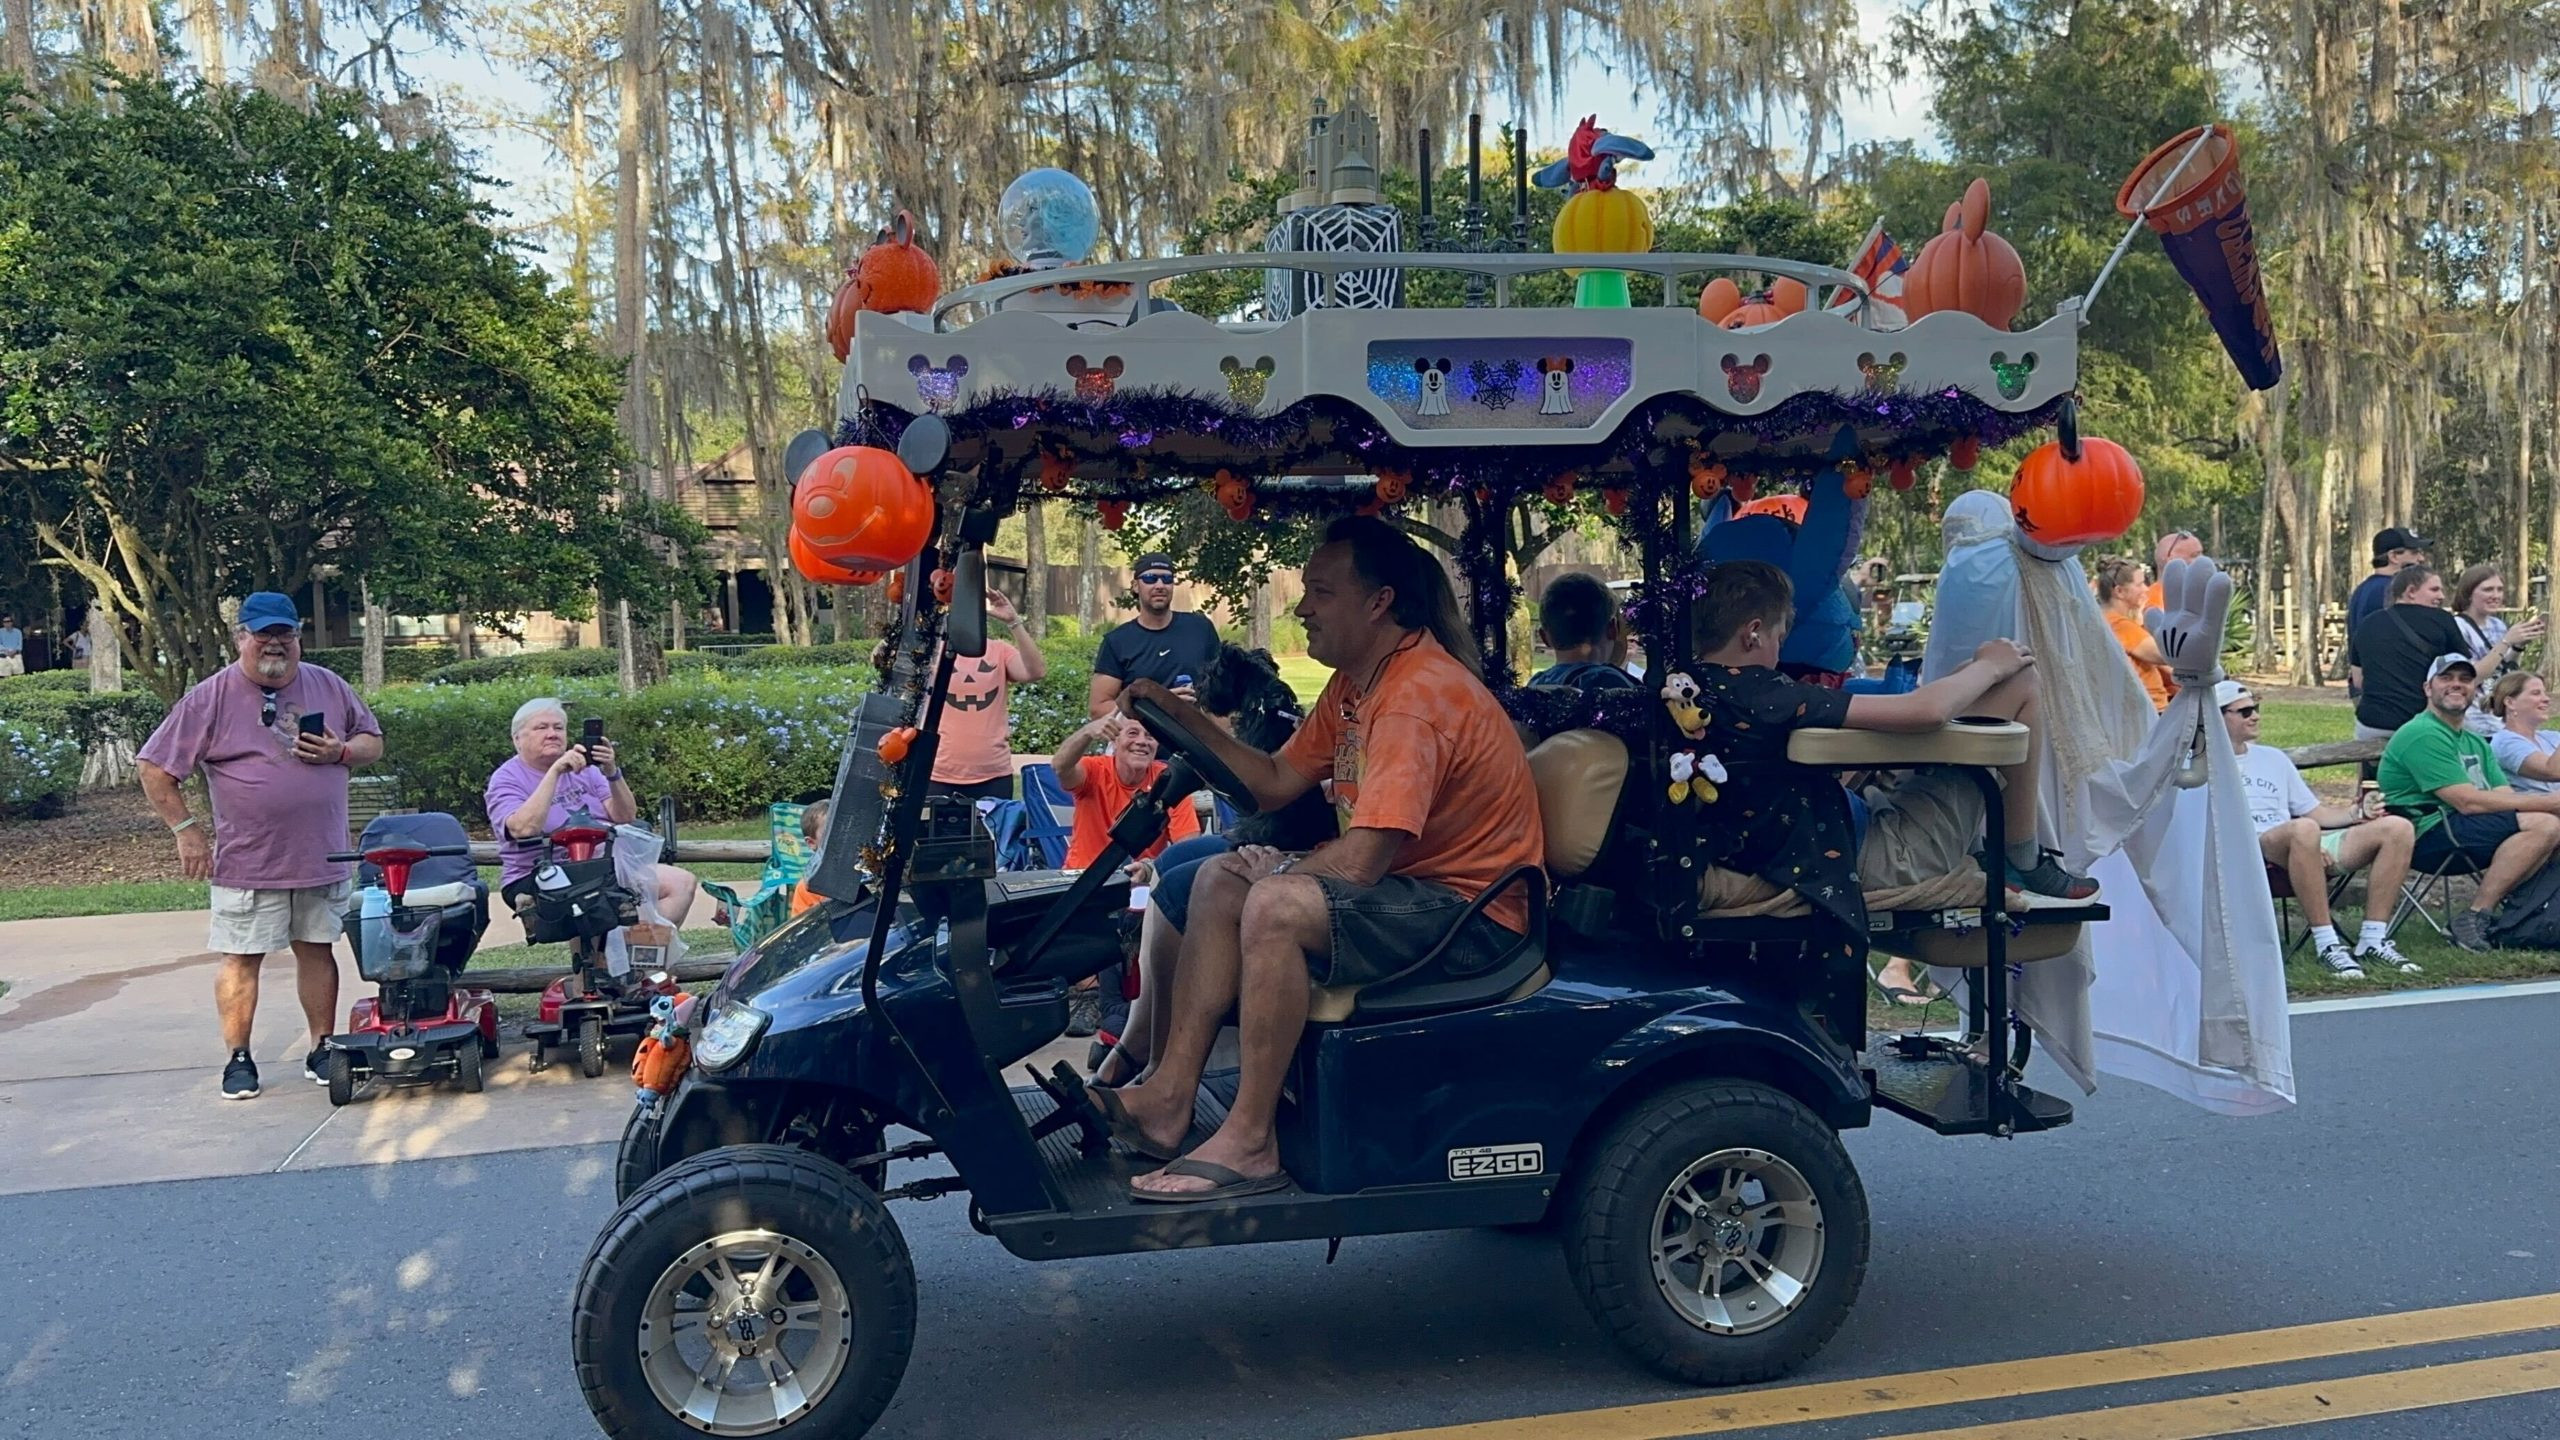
x: 1604, y: 222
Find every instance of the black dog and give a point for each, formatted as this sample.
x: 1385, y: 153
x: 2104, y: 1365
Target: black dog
x: 1244, y: 687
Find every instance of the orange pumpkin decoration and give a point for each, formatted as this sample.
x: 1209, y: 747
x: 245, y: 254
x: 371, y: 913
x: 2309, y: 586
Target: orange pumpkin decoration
x: 1857, y: 481
x: 859, y: 507
x: 1789, y: 508
x: 817, y: 571
x: 1393, y: 486
x: 895, y: 745
x: 1744, y: 487
x: 1114, y: 513
x: 1234, y: 494
x: 1613, y: 500
x: 1721, y: 298
x: 1055, y: 470
x: 1782, y: 299
x: 840, y: 315
x: 2062, y: 502
x: 939, y: 582
x: 897, y: 587
x: 1965, y: 454
x: 1706, y: 477
x: 1903, y: 473
x: 1966, y: 267
x: 895, y: 273
x: 1560, y: 490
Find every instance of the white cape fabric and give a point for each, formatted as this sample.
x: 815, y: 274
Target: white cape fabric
x: 2183, y: 989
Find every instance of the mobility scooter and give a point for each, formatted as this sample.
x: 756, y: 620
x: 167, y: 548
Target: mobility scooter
x: 573, y: 897
x: 419, y: 913
x: 1659, y: 1075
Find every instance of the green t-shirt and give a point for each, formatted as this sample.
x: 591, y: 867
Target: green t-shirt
x: 2426, y: 755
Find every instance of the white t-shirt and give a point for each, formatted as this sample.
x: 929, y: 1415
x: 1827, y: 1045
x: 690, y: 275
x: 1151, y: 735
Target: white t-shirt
x: 2513, y: 750
x: 2275, y: 788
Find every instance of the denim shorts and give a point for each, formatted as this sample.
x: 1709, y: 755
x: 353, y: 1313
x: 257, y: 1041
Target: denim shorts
x: 1176, y: 867
x: 1380, y: 929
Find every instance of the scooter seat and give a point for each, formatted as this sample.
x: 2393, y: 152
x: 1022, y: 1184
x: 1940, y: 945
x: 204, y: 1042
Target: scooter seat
x: 438, y: 895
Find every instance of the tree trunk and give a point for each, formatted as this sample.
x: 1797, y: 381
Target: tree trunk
x: 1257, y: 623
x: 319, y: 614
x: 18, y: 39
x: 376, y: 622
x: 1035, y: 568
x: 1089, y: 575
x: 628, y: 672
x: 465, y: 643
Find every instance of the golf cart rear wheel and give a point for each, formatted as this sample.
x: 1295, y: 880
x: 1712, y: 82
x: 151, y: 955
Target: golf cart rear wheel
x: 466, y: 1068
x: 1718, y: 1233
x: 748, y: 1291
x: 339, y: 1069
x: 591, y: 1046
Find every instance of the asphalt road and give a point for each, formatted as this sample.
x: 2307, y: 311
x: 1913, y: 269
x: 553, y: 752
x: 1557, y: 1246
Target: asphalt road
x: 429, y: 1298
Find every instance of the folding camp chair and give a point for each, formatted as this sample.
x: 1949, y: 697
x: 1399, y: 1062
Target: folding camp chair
x: 2280, y: 885
x: 752, y: 917
x: 2428, y: 894
x: 1052, y: 813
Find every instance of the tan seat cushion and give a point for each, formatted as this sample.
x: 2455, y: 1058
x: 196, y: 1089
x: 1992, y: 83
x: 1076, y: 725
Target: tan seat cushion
x: 1966, y: 742
x: 1579, y: 774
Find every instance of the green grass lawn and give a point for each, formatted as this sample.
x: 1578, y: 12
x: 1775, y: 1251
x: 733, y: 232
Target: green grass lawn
x: 2290, y: 724
x: 134, y: 897
x: 1305, y: 676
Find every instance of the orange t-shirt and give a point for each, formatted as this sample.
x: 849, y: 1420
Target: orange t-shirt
x: 1101, y: 798
x: 802, y: 897
x: 2155, y: 678
x: 1428, y: 752
x: 977, y: 740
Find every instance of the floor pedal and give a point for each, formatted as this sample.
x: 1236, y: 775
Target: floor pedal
x: 1065, y: 1089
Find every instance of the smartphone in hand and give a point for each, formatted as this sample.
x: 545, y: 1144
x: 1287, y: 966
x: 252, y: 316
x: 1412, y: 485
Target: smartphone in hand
x: 589, y: 736
x: 314, y: 723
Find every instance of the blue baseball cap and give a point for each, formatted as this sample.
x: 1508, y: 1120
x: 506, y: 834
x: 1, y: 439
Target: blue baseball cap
x: 268, y: 609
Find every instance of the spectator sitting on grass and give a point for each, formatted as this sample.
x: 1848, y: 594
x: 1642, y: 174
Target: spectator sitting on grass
x: 813, y: 828
x: 2528, y: 752
x: 1578, y: 619
x: 2446, y: 779
x: 2311, y: 842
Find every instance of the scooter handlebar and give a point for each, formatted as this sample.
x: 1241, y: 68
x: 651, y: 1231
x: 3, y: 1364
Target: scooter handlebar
x: 420, y: 851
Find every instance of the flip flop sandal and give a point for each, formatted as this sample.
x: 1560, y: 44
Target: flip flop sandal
x: 1124, y: 1129
x: 1120, y: 1053
x: 1225, y: 1184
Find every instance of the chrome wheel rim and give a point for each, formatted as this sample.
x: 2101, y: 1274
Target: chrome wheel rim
x: 1737, y: 1241
x: 745, y: 1333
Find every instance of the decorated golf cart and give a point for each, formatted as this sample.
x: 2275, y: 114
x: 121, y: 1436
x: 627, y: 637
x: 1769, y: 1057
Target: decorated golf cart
x: 1659, y: 1068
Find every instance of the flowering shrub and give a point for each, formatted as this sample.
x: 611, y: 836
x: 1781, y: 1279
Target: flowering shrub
x: 39, y: 769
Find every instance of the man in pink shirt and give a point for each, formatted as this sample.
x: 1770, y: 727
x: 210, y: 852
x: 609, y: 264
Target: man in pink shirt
x: 279, y: 808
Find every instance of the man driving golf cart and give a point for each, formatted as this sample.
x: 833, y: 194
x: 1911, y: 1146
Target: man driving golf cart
x: 1436, y: 803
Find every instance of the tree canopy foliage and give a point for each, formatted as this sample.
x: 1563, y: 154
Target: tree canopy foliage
x: 245, y: 340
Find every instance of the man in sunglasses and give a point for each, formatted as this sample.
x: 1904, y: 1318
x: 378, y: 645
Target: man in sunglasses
x: 279, y: 791
x: 2313, y: 843
x: 1171, y: 647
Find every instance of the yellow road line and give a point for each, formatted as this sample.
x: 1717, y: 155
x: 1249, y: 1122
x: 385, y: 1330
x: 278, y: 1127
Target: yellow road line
x: 1916, y: 1390
x: 2285, y: 1405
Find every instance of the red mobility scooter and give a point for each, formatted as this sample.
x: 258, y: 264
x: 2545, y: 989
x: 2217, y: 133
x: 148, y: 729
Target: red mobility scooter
x: 574, y: 898
x: 428, y: 908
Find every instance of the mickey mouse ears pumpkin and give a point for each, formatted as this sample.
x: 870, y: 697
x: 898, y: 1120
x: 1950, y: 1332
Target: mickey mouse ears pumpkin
x: 860, y: 508
x: 1966, y: 267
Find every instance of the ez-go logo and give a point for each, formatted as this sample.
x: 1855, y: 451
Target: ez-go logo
x: 1492, y: 1162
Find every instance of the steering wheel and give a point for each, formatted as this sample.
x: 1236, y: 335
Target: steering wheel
x: 1185, y: 745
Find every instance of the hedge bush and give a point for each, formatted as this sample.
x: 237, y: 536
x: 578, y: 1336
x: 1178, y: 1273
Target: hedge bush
x: 586, y: 662
x: 127, y: 715
x: 44, y: 680
x: 39, y: 769
x: 399, y: 662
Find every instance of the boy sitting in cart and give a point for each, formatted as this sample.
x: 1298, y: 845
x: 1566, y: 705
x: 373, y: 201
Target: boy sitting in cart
x: 1436, y: 804
x: 1791, y: 828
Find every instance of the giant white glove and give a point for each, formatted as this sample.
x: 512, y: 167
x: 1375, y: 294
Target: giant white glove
x: 2189, y: 626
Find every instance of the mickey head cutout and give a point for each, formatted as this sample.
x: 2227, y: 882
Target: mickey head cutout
x: 1095, y: 382
x: 1742, y: 379
x: 1245, y: 383
x: 1435, y: 386
x: 1554, y: 376
x: 939, y: 386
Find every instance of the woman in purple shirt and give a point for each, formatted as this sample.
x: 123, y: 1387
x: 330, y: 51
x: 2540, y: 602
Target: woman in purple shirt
x: 549, y: 780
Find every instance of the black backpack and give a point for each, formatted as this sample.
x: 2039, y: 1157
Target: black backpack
x: 2529, y: 918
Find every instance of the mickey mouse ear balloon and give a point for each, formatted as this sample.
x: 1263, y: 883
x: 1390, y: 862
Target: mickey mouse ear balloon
x: 1048, y: 218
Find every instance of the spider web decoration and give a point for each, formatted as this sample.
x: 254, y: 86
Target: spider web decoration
x: 1334, y: 228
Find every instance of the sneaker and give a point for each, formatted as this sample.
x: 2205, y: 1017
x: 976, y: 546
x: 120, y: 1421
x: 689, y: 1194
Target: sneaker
x: 1084, y: 1012
x: 2340, y: 965
x: 311, y: 1064
x: 2471, y: 931
x: 2047, y: 877
x: 2384, y: 952
x: 240, y: 1077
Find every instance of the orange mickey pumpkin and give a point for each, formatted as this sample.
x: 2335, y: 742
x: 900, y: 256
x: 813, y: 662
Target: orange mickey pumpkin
x: 1559, y: 491
x: 1613, y: 499
x: 1721, y: 298
x: 1235, y: 495
x: 1965, y: 454
x: 817, y: 571
x: 859, y: 507
x: 1782, y: 299
x: 1966, y: 267
x: 896, y: 273
x: 1857, y: 482
x: 1744, y: 487
x: 1114, y: 513
x: 2061, y: 502
x: 1903, y: 472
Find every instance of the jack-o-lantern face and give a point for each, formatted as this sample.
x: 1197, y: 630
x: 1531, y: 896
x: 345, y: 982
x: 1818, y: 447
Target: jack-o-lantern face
x: 977, y: 683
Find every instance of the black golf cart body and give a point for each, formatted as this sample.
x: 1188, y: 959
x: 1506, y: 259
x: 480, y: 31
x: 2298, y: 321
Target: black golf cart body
x: 1632, y: 1021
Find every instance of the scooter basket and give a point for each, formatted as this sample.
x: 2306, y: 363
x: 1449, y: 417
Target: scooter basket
x: 397, y: 946
x: 589, y: 906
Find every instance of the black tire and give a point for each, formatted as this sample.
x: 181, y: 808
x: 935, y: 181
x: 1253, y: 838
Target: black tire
x: 339, y: 1069
x: 591, y: 1047
x: 791, y: 1193
x: 466, y: 1068
x: 1619, y: 1201
x: 635, y: 1161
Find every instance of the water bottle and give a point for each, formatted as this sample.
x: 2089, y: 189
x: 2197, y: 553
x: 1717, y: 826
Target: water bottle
x: 373, y: 903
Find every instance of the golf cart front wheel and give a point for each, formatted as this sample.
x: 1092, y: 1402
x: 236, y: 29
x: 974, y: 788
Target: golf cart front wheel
x: 751, y: 1290
x: 1719, y: 1233
x: 636, y: 1160
x: 591, y: 1046
x: 339, y: 1070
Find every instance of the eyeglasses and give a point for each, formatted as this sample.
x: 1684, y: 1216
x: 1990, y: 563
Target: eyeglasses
x: 267, y: 707
x: 2245, y: 712
x: 1156, y: 577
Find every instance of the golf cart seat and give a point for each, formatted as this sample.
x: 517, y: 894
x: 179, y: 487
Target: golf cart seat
x: 1578, y: 774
